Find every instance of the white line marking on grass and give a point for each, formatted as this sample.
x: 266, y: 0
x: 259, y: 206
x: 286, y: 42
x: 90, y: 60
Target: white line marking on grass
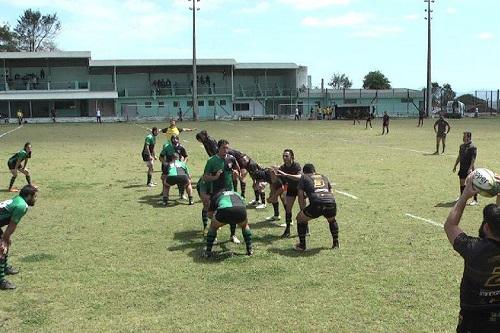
x: 425, y: 220
x: 347, y: 194
x: 142, y: 126
x: 4, y: 134
x: 405, y: 149
x: 185, y: 140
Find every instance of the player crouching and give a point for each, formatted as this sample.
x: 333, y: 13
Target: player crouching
x: 318, y: 190
x: 227, y: 207
x: 176, y: 172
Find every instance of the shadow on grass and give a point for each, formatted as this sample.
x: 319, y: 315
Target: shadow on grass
x: 38, y: 257
x: 290, y: 252
x: 156, y: 201
x: 264, y: 224
x: 446, y: 204
x: 134, y: 186
x: 430, y: 154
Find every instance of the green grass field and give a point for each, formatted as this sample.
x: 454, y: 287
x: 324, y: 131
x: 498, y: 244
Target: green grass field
x: 98, y: 253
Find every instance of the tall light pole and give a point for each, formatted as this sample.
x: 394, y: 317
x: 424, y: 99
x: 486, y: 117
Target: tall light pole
x: 195, y: 75
x: 429, y: 11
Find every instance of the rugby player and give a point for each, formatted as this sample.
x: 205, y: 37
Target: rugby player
x: 208, y: 142
x: 148, y: 154
x: 290, y: 173
x: 441, y: 128
x: 176, y: 173
x: 228, y: 207
x: 480, y: 287
x: 318, y: 190
x: 11, y: 212
x: 385, y: 123
x: 466, y: 158
x: 15, y: 164
x: 218, y: 173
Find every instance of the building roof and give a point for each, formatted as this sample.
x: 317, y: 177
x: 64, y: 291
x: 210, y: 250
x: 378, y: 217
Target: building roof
x: 44, y: 55
x: 265, y: 65
x: 160, y: 62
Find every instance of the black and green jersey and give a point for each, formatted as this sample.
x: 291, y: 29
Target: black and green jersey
x: 20, y: 156
x: 168, y: 151
x: 226, y: 199
x: 226, y: 164
x: 12, y: 210
x: 149, y: 143
x: 177, y: 168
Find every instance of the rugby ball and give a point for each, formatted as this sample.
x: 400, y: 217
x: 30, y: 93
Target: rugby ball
x: 484, y: 181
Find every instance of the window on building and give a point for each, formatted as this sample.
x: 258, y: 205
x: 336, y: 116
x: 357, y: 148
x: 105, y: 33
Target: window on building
x: 241, y: 107
x: 176, y: 104
x: 222, y: 102
x: 148, y: 105
x: 190, y: 103
x: 161, y: 104
x: 201, y: 103
x: 211, y: 103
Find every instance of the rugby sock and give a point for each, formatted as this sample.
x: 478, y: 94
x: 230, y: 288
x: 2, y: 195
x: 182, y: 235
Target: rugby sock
x: 257, y: 195
x: 288, y: 219
x: 247, y: 236
x: 444, y: 146
x: 211, y: 236
x: 334, y: 230
x: 276, y: 206
x: 233, y: 229
x: 235, y: 185
x: 204, y: 218
x: 149, y: 179
x: 263, y: 197
x: 475, y: 197
x: 28, y: 179
x: 12, y: 180
x: 301, y: 230
x: 3, y: 265
x: 165, y: 200
x: 462, y: 189
x: 243, y: 186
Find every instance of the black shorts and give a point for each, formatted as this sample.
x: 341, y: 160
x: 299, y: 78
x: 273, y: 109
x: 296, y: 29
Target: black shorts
x: 145, y: 157
x: 181, y: 180
x: 484, y: 322
x: 292, y: 191
x: 12, y: 166
x: 232, y: 215
x: 441, y: 135
x: 315, y: 210
x: 463, y: 173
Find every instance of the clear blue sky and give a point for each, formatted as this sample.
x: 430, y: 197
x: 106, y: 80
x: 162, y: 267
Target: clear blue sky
x: 347, y: 36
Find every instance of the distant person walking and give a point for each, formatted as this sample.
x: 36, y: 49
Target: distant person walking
x: 98, y: 115
x: 20, y: 116
x: 421, y: 118
x: 297, y: 115
x: 53, y: 115
x: 385, y: 123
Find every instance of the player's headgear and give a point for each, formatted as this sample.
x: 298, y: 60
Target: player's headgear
x: 174, y: 139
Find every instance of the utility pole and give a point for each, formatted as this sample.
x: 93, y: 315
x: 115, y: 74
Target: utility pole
x: 195, y: 75
x: 429, y: 11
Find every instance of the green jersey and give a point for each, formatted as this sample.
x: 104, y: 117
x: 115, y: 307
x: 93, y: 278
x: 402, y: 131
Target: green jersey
x: 20, y: 156
x: 168, y: 151
x: 149, y: 143
x: 177, y: 168
x: 225, y: 180
x: 12, y: 210
x: 226, y: 199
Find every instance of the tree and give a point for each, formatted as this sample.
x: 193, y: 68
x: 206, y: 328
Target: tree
x: 376, y: 80
x: 37, y: 32
x: 447, y: 94
x: 340, y: 81
x: 7, y: 39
